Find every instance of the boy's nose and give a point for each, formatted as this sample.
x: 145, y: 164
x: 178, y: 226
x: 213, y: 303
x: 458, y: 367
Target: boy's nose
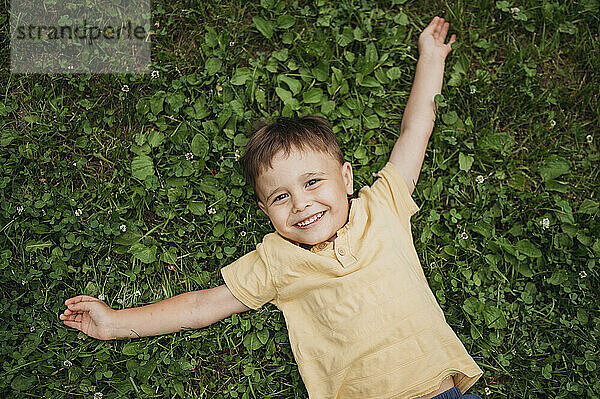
x: 301, y: 204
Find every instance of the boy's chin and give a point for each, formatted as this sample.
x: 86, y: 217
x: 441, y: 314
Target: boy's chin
x: 305, y: 241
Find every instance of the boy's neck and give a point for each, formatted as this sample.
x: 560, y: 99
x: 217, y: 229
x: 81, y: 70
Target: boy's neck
x: 309, y: 246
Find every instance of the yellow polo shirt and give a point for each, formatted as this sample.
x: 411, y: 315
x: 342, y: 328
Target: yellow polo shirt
x: 362, y: 320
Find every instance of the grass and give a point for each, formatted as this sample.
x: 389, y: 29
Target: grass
x: 521, y: 111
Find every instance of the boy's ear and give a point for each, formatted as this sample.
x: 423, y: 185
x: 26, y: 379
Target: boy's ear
x: 348, y: 177
x: 262, y: 208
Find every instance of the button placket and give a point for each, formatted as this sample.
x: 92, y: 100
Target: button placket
x: 342, y: 250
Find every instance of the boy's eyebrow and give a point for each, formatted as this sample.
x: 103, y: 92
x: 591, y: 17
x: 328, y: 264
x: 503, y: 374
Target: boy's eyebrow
x: 311, y: 174
x: 302, y: 176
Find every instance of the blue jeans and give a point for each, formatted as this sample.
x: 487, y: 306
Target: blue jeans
x: 454, y: 393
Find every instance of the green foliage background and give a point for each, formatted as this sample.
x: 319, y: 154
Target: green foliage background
x: 519, y: 108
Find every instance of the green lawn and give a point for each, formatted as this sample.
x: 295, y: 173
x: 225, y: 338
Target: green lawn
x: 137, y: 196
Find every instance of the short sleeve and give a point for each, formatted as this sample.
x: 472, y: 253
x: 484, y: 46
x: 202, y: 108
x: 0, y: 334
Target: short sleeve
x: 249, y: 279
x: 390, y: 190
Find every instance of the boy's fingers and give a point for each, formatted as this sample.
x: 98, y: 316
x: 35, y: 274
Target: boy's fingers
x: 432, y: 25
x: 80, y: 307
x: 444, y: 31
x: 73, y: 324
x: 80, y: 298
x: 73, y: 300
x: 70, y: 316
x: 70, y: 313
x: 432, y: 22
x: 73, y: 317
x: 452, y: 40
x: 436, y: 26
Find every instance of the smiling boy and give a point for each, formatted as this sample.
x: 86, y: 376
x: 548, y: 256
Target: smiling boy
x: 303, y: 189
x: 361, y: 318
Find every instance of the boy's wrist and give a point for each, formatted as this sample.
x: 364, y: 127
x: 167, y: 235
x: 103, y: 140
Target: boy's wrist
x: 120, y: 329
x: 431, y: 59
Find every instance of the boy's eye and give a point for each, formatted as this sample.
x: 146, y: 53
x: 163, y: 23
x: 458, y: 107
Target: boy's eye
x: 312, y: 181
x: 279, y: 197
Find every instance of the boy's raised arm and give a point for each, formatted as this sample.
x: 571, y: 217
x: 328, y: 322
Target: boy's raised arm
x: 190, y: 310
x: 419, y: 115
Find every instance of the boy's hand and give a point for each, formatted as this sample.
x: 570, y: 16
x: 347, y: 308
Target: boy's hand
x: 91, y: 316
x: 431, y: 40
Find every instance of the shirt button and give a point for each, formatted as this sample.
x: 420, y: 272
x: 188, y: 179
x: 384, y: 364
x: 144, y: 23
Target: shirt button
x: 322, y: 245
x: 341, y: 251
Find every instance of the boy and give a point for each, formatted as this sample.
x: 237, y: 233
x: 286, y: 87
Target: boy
x: 362, y: 320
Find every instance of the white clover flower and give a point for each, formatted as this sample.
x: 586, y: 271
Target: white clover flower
x: 120, y: 301
x: 464, y: 235
x: 487, y: 391
x: 480, y: 179
x: 43, y: 212
x: 137, y: 293
x: 582, y: 274
x: 514, y: 10
x: 237, y: 154
x: 473, y: 90
x: 98, y: 395
x: 408, y: 48
x: 78, y: 212
x: 212, y: 211
x: 154, y: 74
x: 101, y: 297
x: 545, y: 223
x: 123, y: 228
x: 589, y: 138
x: 243, y: 233
x: 125, y: 88
x: 552, y: 123
x: 74, y: 164
x: 219, y: 88
x: 374, y: 174
x: 23, y: 282
x: 231, y: 43
x: 31, y: 329
x: 189, y: 156
x: 20, y: 209
x: 222, y: 158
x: 67, y: 363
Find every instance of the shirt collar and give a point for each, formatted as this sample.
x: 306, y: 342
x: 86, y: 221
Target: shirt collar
x: 342, y: 231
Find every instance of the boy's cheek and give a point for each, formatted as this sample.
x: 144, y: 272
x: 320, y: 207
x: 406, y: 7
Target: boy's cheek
x: 275, y: 218
x: 270, y: 212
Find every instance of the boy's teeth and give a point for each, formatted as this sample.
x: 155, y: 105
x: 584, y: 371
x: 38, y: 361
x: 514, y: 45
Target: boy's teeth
x: 312, y: 219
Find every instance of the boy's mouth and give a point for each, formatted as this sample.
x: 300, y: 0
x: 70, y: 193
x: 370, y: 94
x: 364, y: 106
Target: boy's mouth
x: 309, y: 221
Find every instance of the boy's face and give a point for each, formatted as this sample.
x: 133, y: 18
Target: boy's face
x: 304, y: 195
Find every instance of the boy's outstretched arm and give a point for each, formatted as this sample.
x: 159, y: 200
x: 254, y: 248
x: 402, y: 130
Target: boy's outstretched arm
x: 419, y: 115
x: 190, y: 310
